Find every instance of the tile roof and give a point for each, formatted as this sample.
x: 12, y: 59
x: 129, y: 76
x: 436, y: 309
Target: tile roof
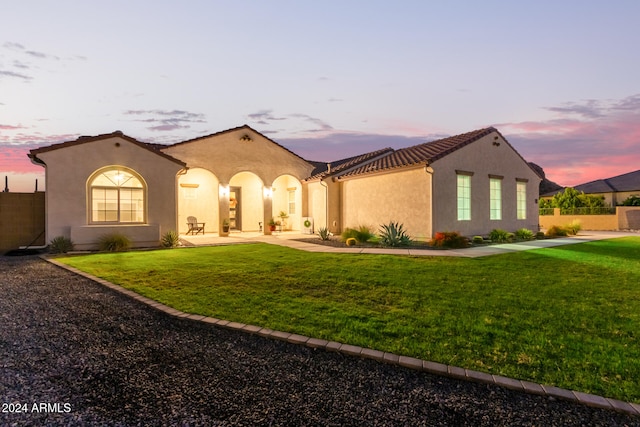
x: 425, y: 153
x: 117, y: 134
x: 323, y: 170
x: 626, y: 182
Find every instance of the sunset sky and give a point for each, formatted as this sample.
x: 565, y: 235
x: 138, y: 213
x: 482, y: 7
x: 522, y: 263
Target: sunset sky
x: 327, y: 79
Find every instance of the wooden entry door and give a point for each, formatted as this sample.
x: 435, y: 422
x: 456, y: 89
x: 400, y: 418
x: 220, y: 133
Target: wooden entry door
x: 235, y: 211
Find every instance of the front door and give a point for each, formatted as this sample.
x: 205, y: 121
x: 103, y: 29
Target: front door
x: 235, y: 211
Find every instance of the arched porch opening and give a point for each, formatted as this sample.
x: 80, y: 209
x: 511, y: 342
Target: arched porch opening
x: 198, y: 197
x: 246, y: 202
x: 287, y: 202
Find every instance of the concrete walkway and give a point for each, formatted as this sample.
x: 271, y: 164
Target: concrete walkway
x: 292, y: 240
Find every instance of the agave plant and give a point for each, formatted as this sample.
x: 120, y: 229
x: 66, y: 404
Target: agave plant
x: 394, y: 234
x: 170, y: 239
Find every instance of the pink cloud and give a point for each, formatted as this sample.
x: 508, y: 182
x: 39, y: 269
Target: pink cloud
x: 588, y: 141
x: 14, y: 162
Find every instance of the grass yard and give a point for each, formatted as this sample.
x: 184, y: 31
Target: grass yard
x: 567, y: 316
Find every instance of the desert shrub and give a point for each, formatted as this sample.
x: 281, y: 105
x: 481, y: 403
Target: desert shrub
x: 170, y: 239
x: 351, y: 241
x: 60, y: 245
x: 498, y: 235
x: 524, y: 234
x: 556, y: 231
x: 573, y: 227
x: 114, y: 242
x: 362, y: 234
x: 478, y: 240
x: 449, y: 239
x: 324, y: 233
x: 394, y: 234
x: 631, y: 201
x: 540, y: 235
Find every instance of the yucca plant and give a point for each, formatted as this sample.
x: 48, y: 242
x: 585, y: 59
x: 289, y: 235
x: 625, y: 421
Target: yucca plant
x: 114, y: 242
x: 394, y: 234
x: 324, y: 233
x: 170, y: 239
x: 60, y: 245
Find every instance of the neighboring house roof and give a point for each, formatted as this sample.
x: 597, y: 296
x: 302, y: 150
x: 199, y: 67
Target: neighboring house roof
x: 626, y: 182
x: 245, y: 127
x: 86, y: 139
x: 323, y: 170
x: 422, y: 154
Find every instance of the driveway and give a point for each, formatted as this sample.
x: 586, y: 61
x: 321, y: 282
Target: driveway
x: 73, y: 352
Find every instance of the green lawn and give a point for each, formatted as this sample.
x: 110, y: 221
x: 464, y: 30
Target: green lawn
x: 567, y: 316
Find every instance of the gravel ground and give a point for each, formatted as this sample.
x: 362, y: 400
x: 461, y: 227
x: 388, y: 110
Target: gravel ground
x: 99, y: 358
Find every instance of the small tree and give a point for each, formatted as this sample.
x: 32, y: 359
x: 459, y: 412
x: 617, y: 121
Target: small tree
x: 633, y: 200
x: 570, y: 199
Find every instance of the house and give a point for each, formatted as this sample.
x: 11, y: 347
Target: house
x: 471, y: 183
x: 615, y: 190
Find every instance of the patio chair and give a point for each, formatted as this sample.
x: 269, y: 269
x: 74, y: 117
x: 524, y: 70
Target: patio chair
x: 195, y: 227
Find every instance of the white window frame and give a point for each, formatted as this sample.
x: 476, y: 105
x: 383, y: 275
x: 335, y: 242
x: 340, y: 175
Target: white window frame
x: 495, y: 198
x: 291, y: 200
x: 463, y: 193
x: 126, y: 192
x: 521, y: 199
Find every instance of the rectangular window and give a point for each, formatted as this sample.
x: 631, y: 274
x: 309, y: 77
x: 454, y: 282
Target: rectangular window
x: 495, y: 198
x: 131, y: 209
x: 464, y: 197
x: 292, y: 201
x: 117, y: 204
x: 521, y: 199
x: 105, y: 205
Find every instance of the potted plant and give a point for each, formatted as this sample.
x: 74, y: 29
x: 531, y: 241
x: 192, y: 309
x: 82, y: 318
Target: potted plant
x: 272, y: 224
x: 283, y: 215
x: 225, y: 225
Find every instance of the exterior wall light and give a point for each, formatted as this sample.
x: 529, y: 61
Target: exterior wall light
x: 224, y: 190
x: 268, y: 192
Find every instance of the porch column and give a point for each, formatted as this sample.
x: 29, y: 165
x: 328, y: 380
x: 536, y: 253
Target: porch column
x: 223, y: 208
x: 268, y: 209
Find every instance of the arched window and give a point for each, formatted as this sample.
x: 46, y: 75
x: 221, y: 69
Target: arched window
x: 117, y: 195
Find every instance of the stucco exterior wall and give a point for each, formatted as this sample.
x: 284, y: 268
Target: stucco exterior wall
x: 403, y: 196
x: 483, y: 158
x: 69, y: 168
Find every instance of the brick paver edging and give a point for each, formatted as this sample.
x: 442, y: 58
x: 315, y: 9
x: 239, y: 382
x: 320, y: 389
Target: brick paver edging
x: 352, y: 350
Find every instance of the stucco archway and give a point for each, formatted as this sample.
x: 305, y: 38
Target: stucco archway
x: 287, y: 198
x: 198, y: 196
x: 246, y: 196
